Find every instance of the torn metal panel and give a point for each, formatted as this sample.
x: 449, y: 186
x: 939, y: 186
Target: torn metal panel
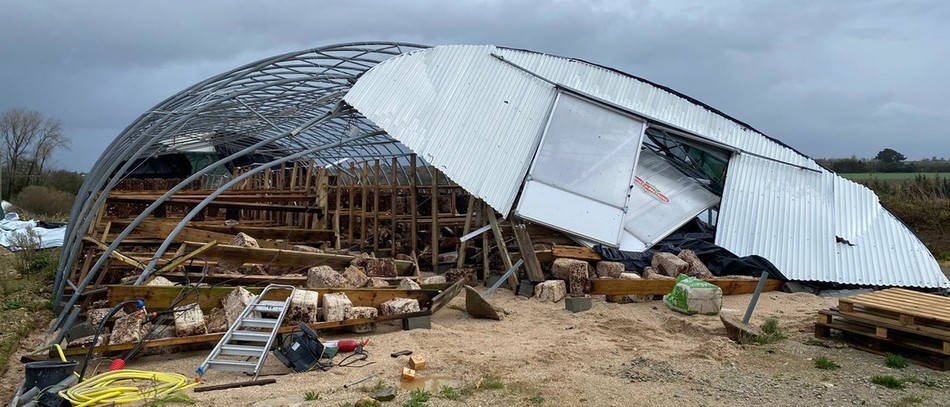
x: 662, y: 199
x: 791, y: 217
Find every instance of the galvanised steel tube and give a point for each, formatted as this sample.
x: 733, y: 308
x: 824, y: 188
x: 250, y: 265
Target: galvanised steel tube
x: 194, y: 212
x: 93, y: 271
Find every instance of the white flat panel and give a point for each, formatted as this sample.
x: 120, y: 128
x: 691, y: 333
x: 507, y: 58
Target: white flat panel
x: 662, y: 200
x: 558, y: 209
x: 588, y: 150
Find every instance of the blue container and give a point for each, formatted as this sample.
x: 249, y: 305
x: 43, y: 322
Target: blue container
x: 47, y: 373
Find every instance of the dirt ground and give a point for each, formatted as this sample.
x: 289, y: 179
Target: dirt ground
x: 612, y: 355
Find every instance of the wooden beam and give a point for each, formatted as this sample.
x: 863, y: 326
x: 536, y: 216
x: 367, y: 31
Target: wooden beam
x: 115, y: 253
x: 465, y: 229
x: 376, y: 171
x: 575, y: 252
x: 187, y: 257
x: 413, y: 210
x: 280, y: 257
x: 502, y: 247
x: 531, y: 264
x: 620, y: 286
x: 297, y: 235
x: 251, y: 206
x: 434, y: 226
x: 392, y: 204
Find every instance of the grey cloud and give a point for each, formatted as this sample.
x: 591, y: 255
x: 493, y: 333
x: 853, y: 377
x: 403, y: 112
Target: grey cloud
x: 829, y: 78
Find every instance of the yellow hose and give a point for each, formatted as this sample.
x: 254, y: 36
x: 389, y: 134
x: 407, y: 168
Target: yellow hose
x: 115, y: 387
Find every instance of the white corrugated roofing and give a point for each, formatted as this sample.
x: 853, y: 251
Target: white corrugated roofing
x: 479, y: 120
x: 793, y: 218
x: 471, y: 115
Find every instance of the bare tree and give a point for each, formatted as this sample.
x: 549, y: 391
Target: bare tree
x: 29, y: 141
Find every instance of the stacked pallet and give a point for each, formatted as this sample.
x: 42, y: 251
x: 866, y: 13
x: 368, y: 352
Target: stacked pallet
x: 913, y: 324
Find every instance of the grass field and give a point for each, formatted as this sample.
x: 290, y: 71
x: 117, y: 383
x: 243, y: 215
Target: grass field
x: 864, y: 176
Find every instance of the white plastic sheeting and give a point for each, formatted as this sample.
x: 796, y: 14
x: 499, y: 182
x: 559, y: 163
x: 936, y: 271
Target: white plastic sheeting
x: 662, y: 199
x: 11, y: 226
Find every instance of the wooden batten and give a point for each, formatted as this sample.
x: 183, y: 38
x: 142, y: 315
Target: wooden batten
x: 619, y: 286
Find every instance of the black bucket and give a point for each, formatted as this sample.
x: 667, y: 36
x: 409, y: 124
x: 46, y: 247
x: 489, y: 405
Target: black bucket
x: 47, y: 373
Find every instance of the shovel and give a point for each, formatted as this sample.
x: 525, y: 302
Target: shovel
x: 736, y: 329
x: 478, y: 306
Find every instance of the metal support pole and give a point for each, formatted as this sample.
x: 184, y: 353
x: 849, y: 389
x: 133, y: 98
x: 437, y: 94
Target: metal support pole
x: 755, y: 296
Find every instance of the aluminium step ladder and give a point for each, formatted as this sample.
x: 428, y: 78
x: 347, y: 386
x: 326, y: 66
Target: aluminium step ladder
x: 247, y: 342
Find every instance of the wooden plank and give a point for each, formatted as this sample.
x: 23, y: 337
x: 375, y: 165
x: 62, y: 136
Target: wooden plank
x: 376, y: 170
x: 364, y: 180
x: 502, y: 247
x: 297, y: 235
x: 465, y: 230
x: 619, y: 286
x: 413, y: 209
x: 162, y: 297
x: 434, y: 226
x: 281, y: 257
x: 446, y: 296
x: 575, y: 252
x: 352, y: 205
x: 180, y: 260
x: 531, y: 264
x: 115, y: 253
x: 392, y: 205
x: 250, y: 206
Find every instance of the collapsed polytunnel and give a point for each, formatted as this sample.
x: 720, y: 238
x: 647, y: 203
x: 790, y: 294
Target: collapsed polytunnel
x: 600, y: 155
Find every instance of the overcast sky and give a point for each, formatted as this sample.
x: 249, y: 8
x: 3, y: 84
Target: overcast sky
x: 829, y: 78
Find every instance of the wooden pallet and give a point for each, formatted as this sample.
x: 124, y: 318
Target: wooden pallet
x: 880, y: 337
x: 904, y: 307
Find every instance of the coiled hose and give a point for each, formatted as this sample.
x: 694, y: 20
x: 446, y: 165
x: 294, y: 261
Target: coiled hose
x: 117, y: 388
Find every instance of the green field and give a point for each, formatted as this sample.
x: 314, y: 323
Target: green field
x: 864, y: 176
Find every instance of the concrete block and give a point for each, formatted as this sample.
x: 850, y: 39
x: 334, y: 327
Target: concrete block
x: 307, y: 249
x: 668, y: 264
x: 95, y: 316
x: 324, y: 277
x: 216, y: 321
x: 361, y: 313
x: 696, y: 267
x: 242, y: 240
x: 335, y: 307
x: 86, y: 341
x: 577, y: 304
x: 424, y: 322
x: 376, y: 282
x: 397, y: 306
x: 468, y: 274
x: 551, y: 290
x: 303, y: 308
x: 190, y: 322
x: 651, y: 273
x: 403, y: 257
x: 130, y: 328
x: 159, y: 281
x: 380, y: 267
x: 575, y: 272
x: 407, y: 284
x: 234, y: 304
x: 355, y: 277
x: 434, y: 280
x: 525, y: 288
x: 609, y: 269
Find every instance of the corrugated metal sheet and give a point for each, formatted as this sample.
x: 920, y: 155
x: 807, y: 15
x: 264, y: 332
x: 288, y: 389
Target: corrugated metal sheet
x: 474, y: 117
x: 792, y: 217
x: 479, y: 119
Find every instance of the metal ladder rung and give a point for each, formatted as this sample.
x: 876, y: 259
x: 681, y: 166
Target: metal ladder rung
x: 232, y: 365
x: 242, y: 350
x: 269, y: 306
x: 250, y: 336
x: 259, y: 323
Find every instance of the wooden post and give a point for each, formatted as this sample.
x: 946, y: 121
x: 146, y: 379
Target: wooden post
x: 412, y: 205
x: 336, y: 214
x: 349, y: 241
x: 364, y: 178
x: 502, y: 248
x: 465, y: 229
x: 531, y: 264
x: 392, y: 205
x: 376, y: 206
x: 435, y: 216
